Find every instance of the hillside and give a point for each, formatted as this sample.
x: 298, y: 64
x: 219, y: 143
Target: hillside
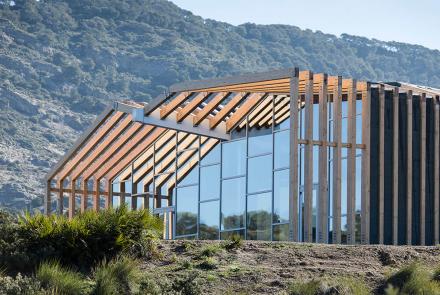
x: 271, y: 268
x: 62, y: 61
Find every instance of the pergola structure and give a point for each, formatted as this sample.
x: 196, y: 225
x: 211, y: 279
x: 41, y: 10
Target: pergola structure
x: 153, y: 146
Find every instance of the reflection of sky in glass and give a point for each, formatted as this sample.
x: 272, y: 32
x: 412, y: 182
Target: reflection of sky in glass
x: 282, y: 149
x: 210, y: 182
x: 234, y: 158
x: 233, y: 201
x: 281, y: 196
x: 212, y: 157
x: 209, y: 213
x: 260, y: 141
x: 260, y: 174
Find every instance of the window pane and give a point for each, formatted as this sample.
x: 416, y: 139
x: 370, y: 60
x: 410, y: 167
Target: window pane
x: 229, y: 234
x: 282, y: 144
x: 259, y: 222
x: 260, y: 174
x: 210, y: 182
x: 186, y: 211
x: 209, y: 220
x: 212, y: 157
x: 234, y: 158
x: 260, y: 141
x: 281, y: 196
x: 188, y: 172
x: 233, y: 203
x: 281, y: 232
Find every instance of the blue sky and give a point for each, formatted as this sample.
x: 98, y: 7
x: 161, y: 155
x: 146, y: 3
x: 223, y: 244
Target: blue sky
x: 409, y: 21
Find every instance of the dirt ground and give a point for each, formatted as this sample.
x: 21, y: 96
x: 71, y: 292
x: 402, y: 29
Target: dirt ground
x: 269, y: 267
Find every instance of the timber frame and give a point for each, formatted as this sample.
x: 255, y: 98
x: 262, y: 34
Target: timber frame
x: 399, y: 122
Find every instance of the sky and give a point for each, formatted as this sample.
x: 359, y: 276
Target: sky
x: 409, y: 21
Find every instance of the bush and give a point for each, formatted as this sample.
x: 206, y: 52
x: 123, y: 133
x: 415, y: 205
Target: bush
x: 62, y: 280
x: 234, y: 242
x: 210, y: 250
x: 81, y: 242
x: 120, y: 276
x: 208, y: 263
x: 19, y: 285
x: 413, y: 279
x: 337, y: 285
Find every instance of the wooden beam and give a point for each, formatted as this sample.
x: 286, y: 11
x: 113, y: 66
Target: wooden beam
x: 436, y: 168
x: 229, y: 107
x: 207, y: 110
x: 267, y: 120
x: 395, y: 165
x: 91, y: 143
x: 243, y: 110
x: 293, y: 160
x: 60, y: 206
x: 351, y: 163
x: 409, y: 135
x: 365, y: 181
x: 381, y: 161
x: 323, y: 164
x: 194, y: 103
x: 173, y: 104
x: 129, y: 152
x: 114, y: 149
x: 337, y: 156
x: 113, y: 136
x: 422, y: 169
x: 96, y: 196
x: 308, y: 161
x: 84, y: 197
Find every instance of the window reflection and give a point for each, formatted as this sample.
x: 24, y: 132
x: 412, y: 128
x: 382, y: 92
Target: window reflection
x: 210, y: 182
x: 259, y: 217
x: 281, y: 196
x: 212, y: 157
x: 233, y: 203
x: 281, y: 232
x: 230, y: 234
x: 234, y: 158
x: 260, y: 174
x: 209, y: 220
x: 282, y: 149
x: 260, y: 141
x: 186, y: 211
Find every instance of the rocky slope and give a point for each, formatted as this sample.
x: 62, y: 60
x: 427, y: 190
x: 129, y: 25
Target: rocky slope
x: 62, y: 61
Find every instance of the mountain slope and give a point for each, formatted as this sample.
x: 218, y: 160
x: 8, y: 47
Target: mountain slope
x: 62, y: 61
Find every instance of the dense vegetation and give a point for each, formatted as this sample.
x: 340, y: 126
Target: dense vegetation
x: 62, y: 61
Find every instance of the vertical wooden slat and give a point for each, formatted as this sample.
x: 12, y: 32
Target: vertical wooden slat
x: 133, y: 189
x: 395, y: 164
x: 109, y: 199
x: 409, y: 118
x: 60, y: 204
x: 84, y: 197
x: 72, y: 197
x: 337, y: 150
x: 381, y: 160
x: 422, y: 167
x: 47, y: 200
x: 436, y: 169
x: 96, y: 196
x: 122, y: 193
x: 323, y: 163
x: 293, y: 187
x: 308, y: 160
x: 365, y: 181
x: 351, y: 162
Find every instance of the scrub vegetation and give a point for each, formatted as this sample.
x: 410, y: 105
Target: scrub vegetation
x: 118, y: 251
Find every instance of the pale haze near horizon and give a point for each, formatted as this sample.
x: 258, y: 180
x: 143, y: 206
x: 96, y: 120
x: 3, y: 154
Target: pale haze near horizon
x: 414, y: 22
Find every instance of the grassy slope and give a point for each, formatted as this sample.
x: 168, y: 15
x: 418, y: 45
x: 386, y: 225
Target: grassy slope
x: 263, y: 267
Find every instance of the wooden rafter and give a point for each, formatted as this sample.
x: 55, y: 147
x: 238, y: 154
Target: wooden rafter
x: 208, y: 109
x: 174, y: 104
x: 243, y: 110
x: 193, y: 104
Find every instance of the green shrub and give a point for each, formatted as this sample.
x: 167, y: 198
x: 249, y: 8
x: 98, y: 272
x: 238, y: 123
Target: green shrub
x: 336, y: 285
x: 53, y: 276
x: 234, y: 242
x: 413, y: 279
x: 119, y: 276
x: 19, y: 285
x: 305, y: 288
x: 210, y: 250
x: 81, y: 242
x: 208, y: 263
x: 186, y: 285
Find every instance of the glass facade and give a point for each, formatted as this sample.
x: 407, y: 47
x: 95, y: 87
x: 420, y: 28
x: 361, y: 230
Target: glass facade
x: 241, y: 187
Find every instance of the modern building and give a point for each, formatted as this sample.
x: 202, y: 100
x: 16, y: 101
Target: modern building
x: 282, y: 155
